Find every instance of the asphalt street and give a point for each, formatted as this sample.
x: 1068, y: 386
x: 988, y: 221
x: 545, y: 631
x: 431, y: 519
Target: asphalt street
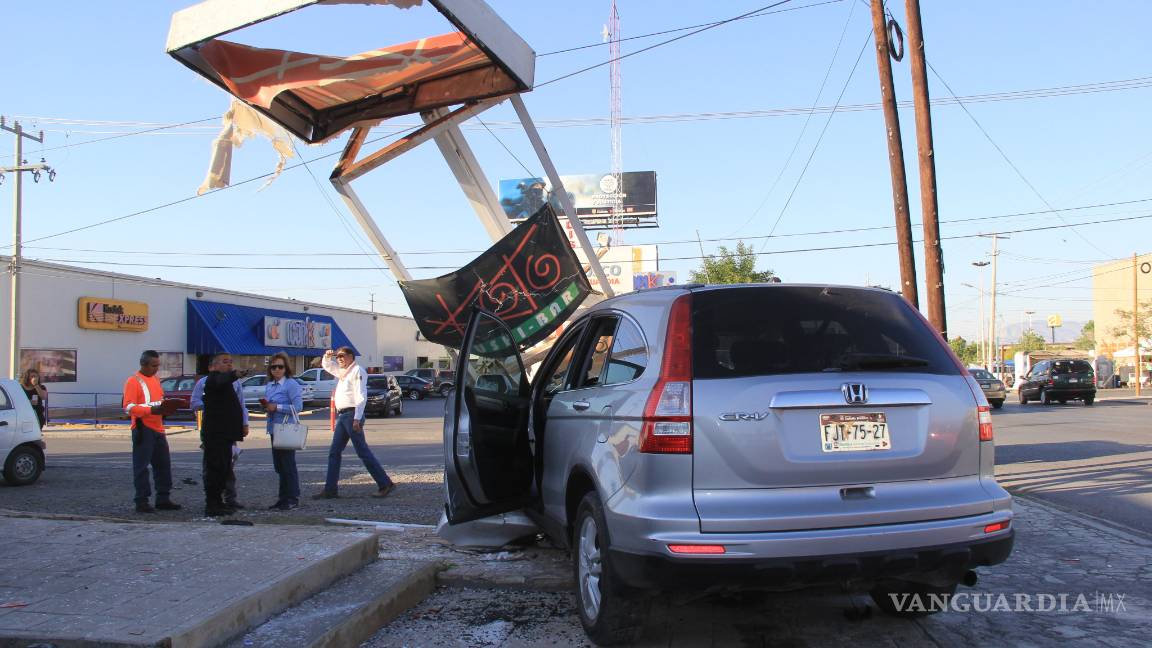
x: 1095, y: 460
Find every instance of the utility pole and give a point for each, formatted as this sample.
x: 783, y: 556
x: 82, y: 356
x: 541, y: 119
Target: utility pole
x: 895, y: 155
x: 372, y: 302
x: 933, y: 252
x: 1136, y: 320
x: 994, y: 346
x: 14, y: 265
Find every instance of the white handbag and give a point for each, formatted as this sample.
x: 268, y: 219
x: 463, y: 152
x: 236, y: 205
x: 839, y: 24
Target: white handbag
x: 290, y: 435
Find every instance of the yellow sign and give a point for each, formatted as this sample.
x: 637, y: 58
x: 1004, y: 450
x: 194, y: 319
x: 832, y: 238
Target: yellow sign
x: 111, y: 314
x: 1055, y: 321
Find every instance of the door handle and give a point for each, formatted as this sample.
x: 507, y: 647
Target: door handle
x: 580, y: 406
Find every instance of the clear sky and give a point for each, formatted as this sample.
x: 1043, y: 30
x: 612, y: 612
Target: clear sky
x: 82, y: 71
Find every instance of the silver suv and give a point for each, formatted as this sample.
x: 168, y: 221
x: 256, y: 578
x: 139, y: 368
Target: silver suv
x: 734, y: 437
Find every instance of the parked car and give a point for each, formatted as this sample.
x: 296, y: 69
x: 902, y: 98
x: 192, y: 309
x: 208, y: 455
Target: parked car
x: 1059, y: 381
x: 746, y: 437
x: 179, y: 388
x: 322, y: 383
x: 993, y: 387
x: 21, y: 443
x: 254, y: 387
x: 384, y: 396
x: 414, y: 388
x: 442, y: 380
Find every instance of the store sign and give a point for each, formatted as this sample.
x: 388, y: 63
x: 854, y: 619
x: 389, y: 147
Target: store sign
x: 646, y: 280
x: 111, y: 314
x: 297, y: 333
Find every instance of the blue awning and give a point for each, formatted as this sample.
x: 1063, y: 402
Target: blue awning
x: 215, y: 327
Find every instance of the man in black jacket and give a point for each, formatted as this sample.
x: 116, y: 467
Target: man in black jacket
x: 223, y: 425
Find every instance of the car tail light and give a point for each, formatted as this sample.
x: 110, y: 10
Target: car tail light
x: 696, y: 549
x: 667, y: 427
x: 999, y: 526
x: 984, y: 415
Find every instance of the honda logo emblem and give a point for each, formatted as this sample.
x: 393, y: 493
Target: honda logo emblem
x: 854, y: 393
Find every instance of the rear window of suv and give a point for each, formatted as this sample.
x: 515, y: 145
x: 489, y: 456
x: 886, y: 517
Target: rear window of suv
x: 739, y: 332
x: 1070, y: 366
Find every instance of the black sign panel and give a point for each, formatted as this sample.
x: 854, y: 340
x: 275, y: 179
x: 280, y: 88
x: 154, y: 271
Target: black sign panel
x: 530, y: 279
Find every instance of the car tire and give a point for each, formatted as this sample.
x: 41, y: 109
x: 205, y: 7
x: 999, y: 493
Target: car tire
x: 610, y: 613
x: 445, y: 390
x: 414, y: 395
x: 387, y: 411
x: 1089, y: 400
x: 1045, y: 397
x: 1062, y: 401
x: 996, y: 404
x: 1020, y: 397
x: 887, y: 595
x: 23, y: 466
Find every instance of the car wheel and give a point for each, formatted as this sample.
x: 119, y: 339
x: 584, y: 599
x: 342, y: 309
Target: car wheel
x: 23, y: 466
x: 1088, y: 400
x: 996, y: 404
x: 910, y: 600
x: 1045, y: 397
x: 445, y: 390
x: 1062, y: 401
x: 387, y: 411
x: 610, y: 613
x: 1020, y: 396
x: 413, y: 395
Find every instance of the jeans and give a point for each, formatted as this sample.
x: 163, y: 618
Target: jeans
x: 150, y: 447
x: 340, y: 437
x: 284, y: 461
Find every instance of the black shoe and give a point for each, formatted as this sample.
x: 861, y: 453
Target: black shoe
x: 168, y: 505
x: 234, y: 505
x: 276, y: 505
x: 325, y: 495
x: 144, y: 507
x: 384, y: 492
x: 286, y: 506
x: 217, y: 511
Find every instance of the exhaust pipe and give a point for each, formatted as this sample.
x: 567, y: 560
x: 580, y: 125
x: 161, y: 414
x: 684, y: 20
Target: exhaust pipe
x: 970, y: 578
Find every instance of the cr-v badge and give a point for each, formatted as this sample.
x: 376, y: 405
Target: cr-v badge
x: 743, y: 416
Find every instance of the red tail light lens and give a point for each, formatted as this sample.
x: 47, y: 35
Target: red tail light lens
x: 696, y: 549
x: 984, y: 416
x: 667, y: 426
x: 999, y: 526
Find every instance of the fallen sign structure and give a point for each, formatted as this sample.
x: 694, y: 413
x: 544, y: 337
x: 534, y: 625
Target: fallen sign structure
x: 446, y: 78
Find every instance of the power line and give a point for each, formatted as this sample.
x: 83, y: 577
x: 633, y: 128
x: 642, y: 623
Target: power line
x: 852, y: 230
x: 819, y: 139
x: 679, y: 258
x: 680, y: 29
x: 660, y: 44
x: 807, y: 119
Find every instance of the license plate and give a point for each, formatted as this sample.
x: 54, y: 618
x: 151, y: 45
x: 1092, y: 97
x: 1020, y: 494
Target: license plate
x: 1072, y: 380
x: 854, y: 432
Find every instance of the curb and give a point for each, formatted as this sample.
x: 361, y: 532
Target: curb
x: 400, y: 598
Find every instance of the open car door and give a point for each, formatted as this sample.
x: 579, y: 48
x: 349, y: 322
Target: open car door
x: 487, y: 455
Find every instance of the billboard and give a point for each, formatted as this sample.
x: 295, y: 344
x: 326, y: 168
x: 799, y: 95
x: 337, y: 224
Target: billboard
x: 111, y: 314
x: 593, y: 195
x: 54, y: 365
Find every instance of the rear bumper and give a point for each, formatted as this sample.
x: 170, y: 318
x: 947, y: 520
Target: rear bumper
x: 1071, y: 392
x: 947, y: 562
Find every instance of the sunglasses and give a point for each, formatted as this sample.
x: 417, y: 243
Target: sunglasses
x: 275, y: 366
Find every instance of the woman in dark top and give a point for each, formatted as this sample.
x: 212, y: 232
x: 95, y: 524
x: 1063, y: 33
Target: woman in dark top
x: 37, y: 394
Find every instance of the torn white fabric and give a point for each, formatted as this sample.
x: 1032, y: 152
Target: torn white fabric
x: 240, y: 123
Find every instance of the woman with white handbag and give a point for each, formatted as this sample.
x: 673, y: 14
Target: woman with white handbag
x: 283, y: 400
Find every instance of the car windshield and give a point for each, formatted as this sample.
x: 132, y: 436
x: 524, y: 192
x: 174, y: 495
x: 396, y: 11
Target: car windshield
x: 756, y: 331
x: 378, y: 383
x: 1071, y: 366
x: 981, y: 374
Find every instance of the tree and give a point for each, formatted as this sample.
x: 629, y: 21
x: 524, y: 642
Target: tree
x: 731, y: 267
x: 1124, y: 330
x: 968, y: 352
x: 1087, y: 339
x: 1029, y: 341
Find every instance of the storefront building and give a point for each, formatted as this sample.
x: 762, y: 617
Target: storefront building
x: 1113, y: 294
x: 84, y: 330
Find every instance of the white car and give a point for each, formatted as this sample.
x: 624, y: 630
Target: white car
x: 254, y: 390
x: 21, y: 444
x: 323, y: 383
